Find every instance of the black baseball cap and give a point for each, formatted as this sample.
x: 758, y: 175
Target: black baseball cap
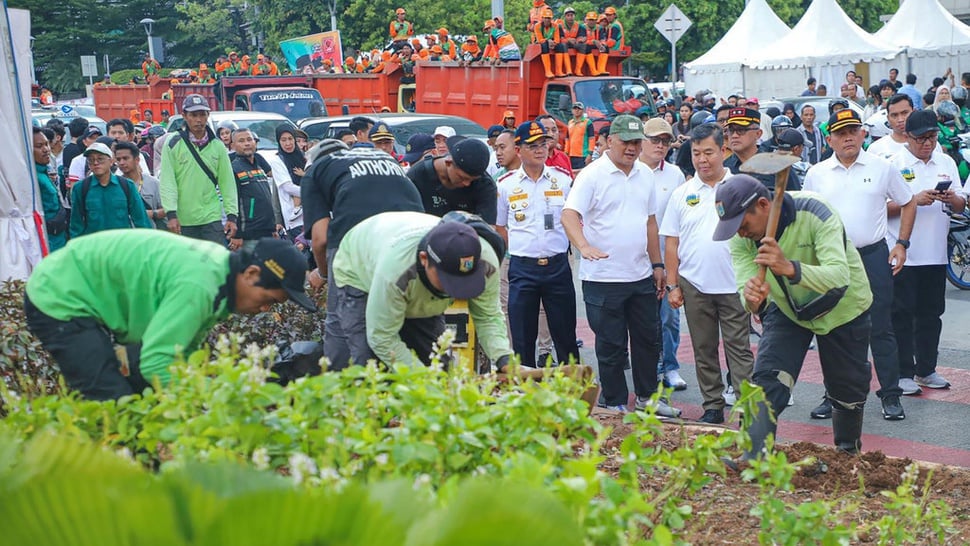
x: 469, y: 154
x: 732, y: 199
x: 194, y: 103
x: 456, y: 252
x: 495, y: 130
x: 418, y: 144
x: 91, y: 131
x: 282, y: 266
x: 844, y: 118
x: 789, y: 138
x: 921, y: 122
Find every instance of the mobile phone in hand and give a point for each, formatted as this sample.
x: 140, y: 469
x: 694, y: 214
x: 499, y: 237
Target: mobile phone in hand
x: 943, y: 186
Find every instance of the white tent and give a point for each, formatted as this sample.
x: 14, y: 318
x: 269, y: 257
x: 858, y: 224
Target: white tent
x: 720, y: 68
x: 825, y: 43
x: 939, y: 41
x: 20, y: 240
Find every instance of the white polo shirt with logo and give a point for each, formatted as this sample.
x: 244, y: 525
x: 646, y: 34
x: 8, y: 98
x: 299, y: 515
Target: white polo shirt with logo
x: 928, y: 241
x: 859, y: 193
x: 614, y: 208
x: 692, y: 218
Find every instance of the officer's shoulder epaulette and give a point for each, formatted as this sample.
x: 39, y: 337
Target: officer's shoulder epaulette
x: 506, y: 175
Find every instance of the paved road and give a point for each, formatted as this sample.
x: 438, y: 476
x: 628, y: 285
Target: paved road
x: 936, y: 425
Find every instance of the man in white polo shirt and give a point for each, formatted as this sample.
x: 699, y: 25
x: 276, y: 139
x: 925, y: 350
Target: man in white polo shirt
x: 898, y: 109
x: 700, y: 275
x: 920, y: 288
x: 667, y: 177
x: 858, y: 184
x: 610, y: 217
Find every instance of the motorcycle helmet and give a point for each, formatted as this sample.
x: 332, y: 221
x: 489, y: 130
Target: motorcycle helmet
x: 779, y: 124
x: 699, y: 118
x: 837, y: 102
x: 959, y: 94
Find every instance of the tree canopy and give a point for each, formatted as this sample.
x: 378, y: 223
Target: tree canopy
x: 197, y: 31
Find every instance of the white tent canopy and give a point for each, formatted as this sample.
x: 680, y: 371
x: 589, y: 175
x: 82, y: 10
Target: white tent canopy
x: 937, y: 42
x: 720, y: 68
x: 20, y: 243
x: 824, y: 35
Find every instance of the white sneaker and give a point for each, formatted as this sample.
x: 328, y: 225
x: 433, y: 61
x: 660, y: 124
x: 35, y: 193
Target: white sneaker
x: 932, y: 381
x: 909, y: 386
x: 729, y: 396
x: 791, y: 400
x: 661, y: 407
x: 673, y: 380
x: 621, y: 408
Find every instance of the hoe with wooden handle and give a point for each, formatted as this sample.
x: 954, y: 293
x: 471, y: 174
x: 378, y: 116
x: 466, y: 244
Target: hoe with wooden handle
x: 778, y: 164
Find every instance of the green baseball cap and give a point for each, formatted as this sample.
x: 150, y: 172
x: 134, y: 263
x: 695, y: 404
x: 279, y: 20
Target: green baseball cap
x: 627, y: 127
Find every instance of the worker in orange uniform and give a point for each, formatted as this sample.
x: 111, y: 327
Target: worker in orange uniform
x: 448, y: 46
x: 580, y: 137
x: 235, y: 65
x: 491, y: 50
x: 535, y: 17
x: 547, y: 36
x: 244, y: 66
x: 400, y: 30
x: 470, y: 52
x: 616, y: 34
x: 261, y: 68
x: 574, y: 37
x: 592, y: 31
x: 508, y: 120
x: 606, y: 43
x: 150, y: 68
x: 274, y: 69
x: 505, y: 46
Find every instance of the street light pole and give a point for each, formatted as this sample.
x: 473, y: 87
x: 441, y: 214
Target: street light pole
x: 33, y: 71
x: 148, y: 23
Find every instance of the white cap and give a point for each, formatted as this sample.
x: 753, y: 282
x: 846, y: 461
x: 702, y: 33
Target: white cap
x: 97, y: 148
x: 444, y: 131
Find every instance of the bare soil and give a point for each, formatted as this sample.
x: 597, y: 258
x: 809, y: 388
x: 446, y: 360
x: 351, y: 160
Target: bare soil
x: 722, y: 508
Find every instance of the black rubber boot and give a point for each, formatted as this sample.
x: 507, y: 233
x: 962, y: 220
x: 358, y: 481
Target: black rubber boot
x: 847, y: 428
x: 762, y: 425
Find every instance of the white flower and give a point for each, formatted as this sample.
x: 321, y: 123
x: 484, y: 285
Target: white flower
x: 422, y: 481
x: 329, y: 474
x: 381, y: 459
x: 261, y: 458
x: 301, y: 466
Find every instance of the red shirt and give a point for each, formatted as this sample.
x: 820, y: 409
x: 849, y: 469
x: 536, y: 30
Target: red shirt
x: 558, y: 158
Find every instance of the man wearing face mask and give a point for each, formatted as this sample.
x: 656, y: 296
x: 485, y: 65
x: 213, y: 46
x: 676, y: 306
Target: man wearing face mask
x: 156, y: 294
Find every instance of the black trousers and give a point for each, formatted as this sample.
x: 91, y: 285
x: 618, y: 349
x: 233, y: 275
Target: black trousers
x: 84, y: 352
x: 875, y: 258
x: 624, y: 314
x: 918, y: 305
x: 212, y: 231
x: 552, y: 285
x: 843, y: 353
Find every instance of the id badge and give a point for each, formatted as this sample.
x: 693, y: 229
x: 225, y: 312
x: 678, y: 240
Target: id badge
x: 547, y: 220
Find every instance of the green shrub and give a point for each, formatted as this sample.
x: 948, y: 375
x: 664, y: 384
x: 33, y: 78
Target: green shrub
x: 25, y: 366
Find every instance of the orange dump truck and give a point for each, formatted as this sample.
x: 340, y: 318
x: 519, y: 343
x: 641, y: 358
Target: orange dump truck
x: 292, y: 96
x: 482, y: 92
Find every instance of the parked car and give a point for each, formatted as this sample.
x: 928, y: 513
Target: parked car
x: 262, y: 124
x: 821, y: 105
x: 40, y: 117
x: 402, y: 125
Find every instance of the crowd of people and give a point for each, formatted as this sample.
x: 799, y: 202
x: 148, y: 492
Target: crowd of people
x: 654, y: 212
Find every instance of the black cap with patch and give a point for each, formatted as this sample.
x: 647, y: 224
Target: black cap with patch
x: 282, y: 266
x: 732, y: 200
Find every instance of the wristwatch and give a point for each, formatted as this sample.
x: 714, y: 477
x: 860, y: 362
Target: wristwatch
x: 903, y: 243
x: 671, y: 287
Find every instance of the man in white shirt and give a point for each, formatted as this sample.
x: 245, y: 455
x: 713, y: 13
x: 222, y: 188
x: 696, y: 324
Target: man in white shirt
x: 898, y: 109
x: 858, y: 184
x: 529, y: 209
x: 610, y: 217
x: 920, y: 288
x: 700, y: 275
x: 667, y: 177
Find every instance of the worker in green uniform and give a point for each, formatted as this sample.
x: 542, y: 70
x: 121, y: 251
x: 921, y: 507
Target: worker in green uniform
x: 55, y: 215
x: 815, y: 286
x: 103, y: 200
x: 153, y: 292
x: 397, y: 273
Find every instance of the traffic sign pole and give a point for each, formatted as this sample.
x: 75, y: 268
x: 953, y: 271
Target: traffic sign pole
x: 672, y: 24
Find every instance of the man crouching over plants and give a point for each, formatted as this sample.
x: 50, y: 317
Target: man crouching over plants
x: 397, y: 272
x: 154, y: 292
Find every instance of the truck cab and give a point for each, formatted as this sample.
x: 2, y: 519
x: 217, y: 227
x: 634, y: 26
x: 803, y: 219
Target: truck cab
x: 294, y: 103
